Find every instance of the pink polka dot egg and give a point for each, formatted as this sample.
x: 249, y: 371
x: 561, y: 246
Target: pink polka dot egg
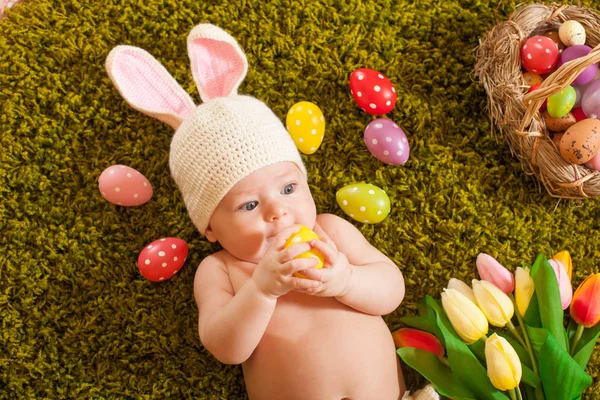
x: 124, y: 186
x: 162, y: 258
x: 387, y: 141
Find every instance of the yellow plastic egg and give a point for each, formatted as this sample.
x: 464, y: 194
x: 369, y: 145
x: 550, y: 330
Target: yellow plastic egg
x: 305, y: 235
x: 364, y: 202
x: 306, y: 125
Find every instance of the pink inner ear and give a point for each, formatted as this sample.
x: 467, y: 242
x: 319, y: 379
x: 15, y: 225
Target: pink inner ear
x: 217, y: 68
x: 148, y: 86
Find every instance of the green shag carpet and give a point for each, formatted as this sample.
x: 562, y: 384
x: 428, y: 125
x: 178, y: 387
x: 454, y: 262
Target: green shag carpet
x: 77, y: 320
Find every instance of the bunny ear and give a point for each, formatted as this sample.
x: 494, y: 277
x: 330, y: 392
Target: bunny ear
x: 147, y: 86
x: 218, y: 63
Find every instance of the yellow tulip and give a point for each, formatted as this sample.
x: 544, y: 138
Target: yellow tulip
x: 466, y: 318
x: 565, y: 259
x: 503, y: 364
x: 495, y: 304
x: 462, y: 287
x: 524, y: 288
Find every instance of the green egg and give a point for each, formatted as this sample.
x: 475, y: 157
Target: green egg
x: 364, y: 202
x: 559, y: 104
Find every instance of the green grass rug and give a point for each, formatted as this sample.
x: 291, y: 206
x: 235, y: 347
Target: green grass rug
x: 77, y: 320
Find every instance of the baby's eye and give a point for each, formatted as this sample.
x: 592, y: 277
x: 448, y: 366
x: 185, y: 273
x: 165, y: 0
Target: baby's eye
x: 251, y: 205
x: 289, y: 189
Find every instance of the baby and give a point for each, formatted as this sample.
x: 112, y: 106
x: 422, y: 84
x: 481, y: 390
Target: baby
x: 244, y: 184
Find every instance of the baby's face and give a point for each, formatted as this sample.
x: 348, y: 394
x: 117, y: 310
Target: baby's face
x: 258, y: 207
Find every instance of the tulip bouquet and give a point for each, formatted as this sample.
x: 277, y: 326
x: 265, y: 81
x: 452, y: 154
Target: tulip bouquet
x: 504, y: 337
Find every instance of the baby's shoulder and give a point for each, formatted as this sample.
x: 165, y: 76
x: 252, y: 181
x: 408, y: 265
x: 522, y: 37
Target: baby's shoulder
x: 332, y: 224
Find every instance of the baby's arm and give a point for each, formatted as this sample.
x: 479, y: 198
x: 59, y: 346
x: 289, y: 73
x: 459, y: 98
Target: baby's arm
x: 376, y: 284
x: 230, y: 325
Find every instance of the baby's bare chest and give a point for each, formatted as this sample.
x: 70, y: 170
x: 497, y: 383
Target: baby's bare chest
x: 308, y: 335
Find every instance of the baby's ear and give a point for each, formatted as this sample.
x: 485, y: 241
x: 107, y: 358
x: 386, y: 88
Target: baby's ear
x: 210, y: 235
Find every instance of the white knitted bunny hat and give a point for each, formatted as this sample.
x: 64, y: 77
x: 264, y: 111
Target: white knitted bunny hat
x: 221, y: 141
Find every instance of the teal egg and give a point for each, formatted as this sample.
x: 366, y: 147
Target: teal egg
x: 364, y: 202
x: 559, y: 104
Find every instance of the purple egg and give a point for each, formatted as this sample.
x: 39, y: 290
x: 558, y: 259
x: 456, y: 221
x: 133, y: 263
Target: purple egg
x: 591, y: 100
x: 387, y: 141
x: 578, y: 51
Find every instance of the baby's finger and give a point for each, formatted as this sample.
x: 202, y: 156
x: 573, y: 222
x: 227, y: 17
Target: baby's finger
x: 328, y: 252
x: 328, y: 241
x: 298, y: 264
x: 294, y: 251
x: 302, y: 284
x: 284, y: 235
x: 312, y: 273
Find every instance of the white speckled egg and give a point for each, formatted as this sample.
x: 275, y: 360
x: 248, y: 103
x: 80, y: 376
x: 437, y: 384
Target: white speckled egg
x: 364, y: 202
x: 124, y: 186
x: 572, y: 33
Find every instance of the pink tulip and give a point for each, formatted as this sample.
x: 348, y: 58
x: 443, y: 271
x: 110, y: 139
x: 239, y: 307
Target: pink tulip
x: 564, y: 283
x: 492, y: 271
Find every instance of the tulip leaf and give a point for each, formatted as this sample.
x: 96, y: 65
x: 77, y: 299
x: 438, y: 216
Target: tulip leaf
x: 478, y: 349
x: 465, y: 366
x: 433, y: 305
x: 428, y: 365
x: 561, y: 376
x: 422, y: 307
x: 537, y: 337
x: 532, y: 315
x: 548, y: 296
x: 586, y: 344
x: 418, y: 322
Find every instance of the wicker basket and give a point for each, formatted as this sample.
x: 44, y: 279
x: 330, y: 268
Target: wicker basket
x: 515, y: 112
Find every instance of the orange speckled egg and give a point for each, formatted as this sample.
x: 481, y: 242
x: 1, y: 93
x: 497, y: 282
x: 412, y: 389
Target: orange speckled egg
x: 581, y: 141
x: 531, y: 78
x: 558, y: 124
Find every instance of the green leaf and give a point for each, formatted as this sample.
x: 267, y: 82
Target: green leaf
x: 562, y: 377
x: 478, y: 349
x: 428, y: 365
x: 422, y: 307
x: 465, y: 366
x: 435, y: 329
x: 537, y: 337
x: 529, y: 377
x: 418, y: 322
x: 586, y: 345
x: 532, y: 315
x: 548, y: 296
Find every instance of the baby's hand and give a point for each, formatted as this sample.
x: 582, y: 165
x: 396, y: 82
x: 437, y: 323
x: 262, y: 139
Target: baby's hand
x: 335, y: 274
x: 274, y: 273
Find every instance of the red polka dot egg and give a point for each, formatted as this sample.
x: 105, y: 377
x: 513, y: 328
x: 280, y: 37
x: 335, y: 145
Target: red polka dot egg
x: 162, y: 258
x: 539, y: 54
x: 372, y: 91
x: 124, y: 186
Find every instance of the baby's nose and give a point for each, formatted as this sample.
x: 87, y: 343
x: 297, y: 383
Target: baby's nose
x: 277, y: 211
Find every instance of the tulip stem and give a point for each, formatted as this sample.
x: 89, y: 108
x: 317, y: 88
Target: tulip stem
x: 519, y: 395
x: 512, y: 394
x: 576, y: 338
x: 528, y: 347
x: 514, y: 331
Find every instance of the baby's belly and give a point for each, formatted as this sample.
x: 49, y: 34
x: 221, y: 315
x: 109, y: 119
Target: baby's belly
x: 317, y: 348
